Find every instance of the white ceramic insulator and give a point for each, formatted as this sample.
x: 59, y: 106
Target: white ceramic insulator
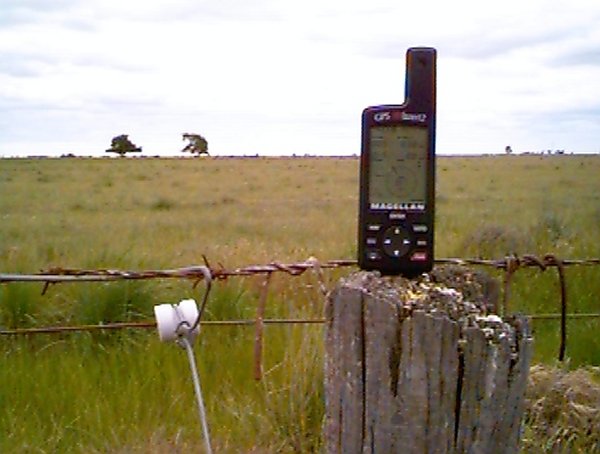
x: 175, y: 320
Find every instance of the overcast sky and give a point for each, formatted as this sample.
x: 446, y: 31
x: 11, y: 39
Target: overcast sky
x: 280, y: 77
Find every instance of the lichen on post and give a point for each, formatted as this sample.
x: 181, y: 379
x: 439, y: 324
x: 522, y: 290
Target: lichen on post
x: 412, y: 366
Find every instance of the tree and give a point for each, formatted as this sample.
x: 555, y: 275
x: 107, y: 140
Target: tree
x: 197, y: 144
x: 122, y: 145
x: 508, y: 149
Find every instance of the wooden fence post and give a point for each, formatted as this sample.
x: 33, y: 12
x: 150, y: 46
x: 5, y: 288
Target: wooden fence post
x: 410, y: 367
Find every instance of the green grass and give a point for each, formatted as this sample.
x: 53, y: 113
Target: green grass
x: 107, y: 392
x: 126, y: 392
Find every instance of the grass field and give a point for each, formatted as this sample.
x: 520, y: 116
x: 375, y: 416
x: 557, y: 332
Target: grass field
x: 126, y: 392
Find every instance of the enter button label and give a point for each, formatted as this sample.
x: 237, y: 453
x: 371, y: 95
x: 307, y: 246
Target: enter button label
x: 419, y: 257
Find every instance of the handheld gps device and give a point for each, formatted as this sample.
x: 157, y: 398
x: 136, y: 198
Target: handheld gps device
x: 397, y: 181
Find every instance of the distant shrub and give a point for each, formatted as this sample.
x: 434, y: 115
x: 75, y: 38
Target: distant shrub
x: 596, y: 216
x: 163, y: 204
x: 551, y: 226
x: 494, y: 241
x: 42, y: 178
x: 224, y: 200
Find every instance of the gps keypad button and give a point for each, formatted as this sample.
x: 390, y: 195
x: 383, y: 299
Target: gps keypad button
x: 396, y: 241
x: 373, y: 255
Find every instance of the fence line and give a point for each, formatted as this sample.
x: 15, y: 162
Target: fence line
x: 151, y: 324
x: 197, y: 272
x: 208, y: 273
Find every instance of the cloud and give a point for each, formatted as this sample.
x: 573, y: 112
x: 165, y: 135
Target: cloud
x: 20, y: 65
x: 481, y: 30
x: 587, y: 56
x: 18, y: 11
x: 304, y: 69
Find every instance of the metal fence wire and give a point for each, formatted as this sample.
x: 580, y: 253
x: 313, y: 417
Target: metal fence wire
x: 208, y: 273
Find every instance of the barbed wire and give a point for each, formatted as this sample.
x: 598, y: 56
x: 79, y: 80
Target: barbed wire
x: 509, y: 264
x: 197, y: 272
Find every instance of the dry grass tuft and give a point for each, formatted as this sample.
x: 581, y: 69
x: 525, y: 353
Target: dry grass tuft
x: 563, y: 410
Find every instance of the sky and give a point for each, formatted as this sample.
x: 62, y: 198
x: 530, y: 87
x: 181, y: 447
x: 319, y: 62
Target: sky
x: 279, y: 77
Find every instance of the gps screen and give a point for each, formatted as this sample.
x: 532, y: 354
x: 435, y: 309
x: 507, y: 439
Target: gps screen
x: 398, y: 164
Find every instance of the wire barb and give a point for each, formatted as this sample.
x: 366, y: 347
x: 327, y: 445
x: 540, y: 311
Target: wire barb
x: 199, y: 272
x: 208, y: 274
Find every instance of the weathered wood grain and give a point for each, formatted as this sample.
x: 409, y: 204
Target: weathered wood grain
x: 381, y: 362
x: 344, y: 392
x: 405, y: 373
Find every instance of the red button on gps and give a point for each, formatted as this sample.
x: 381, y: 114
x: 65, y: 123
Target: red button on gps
x: 419, y: 256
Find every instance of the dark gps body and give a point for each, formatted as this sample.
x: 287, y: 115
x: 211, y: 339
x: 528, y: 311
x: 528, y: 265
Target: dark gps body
x: 397, y: 175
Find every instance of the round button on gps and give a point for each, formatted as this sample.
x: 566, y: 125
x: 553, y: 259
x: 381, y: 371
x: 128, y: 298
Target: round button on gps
x: 396, y: 241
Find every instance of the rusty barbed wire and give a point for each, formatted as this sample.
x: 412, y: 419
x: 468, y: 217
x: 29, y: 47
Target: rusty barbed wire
x: 194, y: 272
x: 524, y: 261
x: 198, y: 273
